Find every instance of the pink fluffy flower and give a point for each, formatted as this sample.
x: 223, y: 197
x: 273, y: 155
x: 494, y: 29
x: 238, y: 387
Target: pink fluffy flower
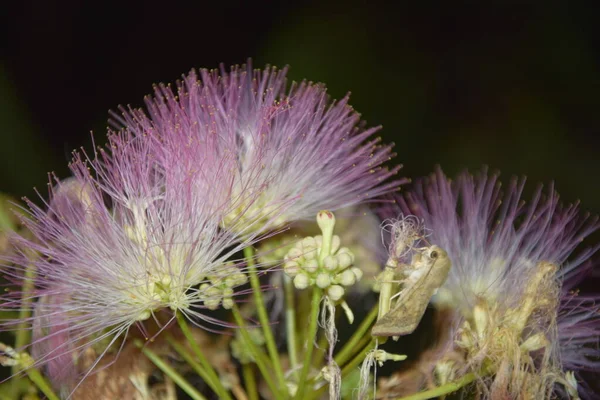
x: 292, y: 151
x: 509, y: 260
x: 131, y: 234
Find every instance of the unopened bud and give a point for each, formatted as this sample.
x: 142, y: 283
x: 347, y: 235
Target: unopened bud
x: 228, y: 303
x: 311, y: 266
x: 291, y: 268
x: 323, y: 280
x: 330, y: 263
x: 357, y: 272
x: 335, y: 292
x: 309, y: 242
x: 301, y: 281
x: 345, y: 260
x: 347, y: 278
x: 294, y: 254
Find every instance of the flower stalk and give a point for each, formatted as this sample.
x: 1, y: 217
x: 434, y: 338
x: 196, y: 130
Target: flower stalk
x: 199, y: 369
x: 263, y: 317
x: 290, y: 319
x: 259, y: 357
x: 169, y: 371
x: 309, y: 341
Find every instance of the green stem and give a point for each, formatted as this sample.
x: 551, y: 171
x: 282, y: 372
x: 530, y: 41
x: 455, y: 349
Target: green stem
x: 185, y: 354
x: 41, y: 383
x: 290, y: 319
x: 350, y: 347
x: 22, y: 333
x: 169, y: 371
x: 214, y: 381
x: 250, y: 381
x: 259, y: 357
x: 310, y: 337
x: 442, y: 390
x: 319, y: 354
x: 263, y: 317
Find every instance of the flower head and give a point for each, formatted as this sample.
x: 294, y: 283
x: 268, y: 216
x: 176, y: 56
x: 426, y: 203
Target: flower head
x: 129, y: 235
x: 292, y: 150
x: 508, y: 261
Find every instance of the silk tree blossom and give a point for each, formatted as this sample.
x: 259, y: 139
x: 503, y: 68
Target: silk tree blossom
x: 291, y: 150
x: 129, y: 235
x: 509, y: 259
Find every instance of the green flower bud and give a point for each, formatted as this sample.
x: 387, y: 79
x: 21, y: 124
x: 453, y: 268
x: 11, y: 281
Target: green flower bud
x: 323, y: 280
x: 330, y: 263
x: 335, y: 292
x: 357, y: 272
x: 301, y: 281
x: 291, y: 268
x: 347, y: 278
x: 311, y: 266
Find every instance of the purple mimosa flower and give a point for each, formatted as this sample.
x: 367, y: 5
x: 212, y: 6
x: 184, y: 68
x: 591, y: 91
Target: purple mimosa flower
x: 509, y: 259
x: 290, y: 149
x: 129, y: 235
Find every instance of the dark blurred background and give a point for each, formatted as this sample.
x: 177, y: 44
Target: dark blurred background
x: 513, y: 86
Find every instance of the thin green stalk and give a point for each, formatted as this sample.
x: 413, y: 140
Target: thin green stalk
x: 360, y: 345
x: 259, y: 357
x: 23, y: 331
x: 290, y: 320
x: 350, y: 347
x: 214, y: 382
x: 250, y: 381
x: 185, y: 354
x: 263, y: 317
x: 170, y: 372
x: 319, y: 353
x: 310, y: 337
x: 22, y: 335
x: 41, y: 383
x: 442, y: 390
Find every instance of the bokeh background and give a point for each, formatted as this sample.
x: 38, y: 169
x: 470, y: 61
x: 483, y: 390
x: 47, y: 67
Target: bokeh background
x: 513, y: 85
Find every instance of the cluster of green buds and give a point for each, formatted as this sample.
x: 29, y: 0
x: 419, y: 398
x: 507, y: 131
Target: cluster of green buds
x: 320, y: 261
x: 220, y: 288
